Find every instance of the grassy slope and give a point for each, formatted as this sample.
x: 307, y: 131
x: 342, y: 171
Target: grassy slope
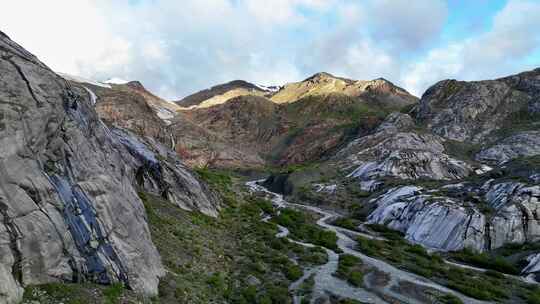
x: 490, y: 286
x: 234, y: 258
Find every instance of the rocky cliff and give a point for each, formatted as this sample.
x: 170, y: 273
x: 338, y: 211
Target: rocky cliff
x: 466, y: 165
x: 68, y: 185
x: 482, y: 111
x: 459, y: 170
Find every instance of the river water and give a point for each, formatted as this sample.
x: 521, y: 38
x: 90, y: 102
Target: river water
x: 326, y: 283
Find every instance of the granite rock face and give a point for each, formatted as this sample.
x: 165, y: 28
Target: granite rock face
x: 454, y: 216
x: 69, y: 209
x: 522, y: 144
x: 473, y: 111
x: 436, y: 222
x: 457, y: 134
x: 395, y: 150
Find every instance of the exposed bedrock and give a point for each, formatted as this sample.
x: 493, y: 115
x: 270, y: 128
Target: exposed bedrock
x: 474, y: 111
x: 69, y: 209
x: 522, y: 144
x: 396, y: 150
x: 462, y: 215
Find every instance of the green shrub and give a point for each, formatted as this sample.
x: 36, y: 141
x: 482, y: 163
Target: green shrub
x: 250, y: 294
x: 293, y: 272
x: 304, y: 229
x: 369, y: 247
x: 217, y: 281
x: 419, y: 250
x: 112, y: 293
x: 450, y: 299
x: 313, y: 256
x: 349, y: 269
x: 386, y: 232
x: 534, y: 296
x: 221, y: 180
x: 278, y: 294
x: 485, y: 260
x: 346, y: 223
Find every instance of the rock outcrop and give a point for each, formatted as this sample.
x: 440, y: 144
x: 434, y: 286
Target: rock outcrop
x: 474, y: 111
x: 380, y: 89
x: 452, y: 135
x: 130, y: 106
x: 522, y: 144
x: 69, y: 209
x: 396, y: 150
x: 478, y: 216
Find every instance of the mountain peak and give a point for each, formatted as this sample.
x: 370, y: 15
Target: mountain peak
x: 324, y: 76
x: 321, y: 75
x: 222, y: 92
x: 116, y: 80
x: 323, y: 83
x: 136, y: 85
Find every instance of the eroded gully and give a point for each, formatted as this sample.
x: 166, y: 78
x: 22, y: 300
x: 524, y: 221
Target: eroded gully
x: 326, y: 283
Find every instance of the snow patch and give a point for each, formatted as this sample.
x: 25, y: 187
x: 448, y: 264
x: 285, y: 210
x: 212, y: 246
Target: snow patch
x: 80, y: 79
x: 116, y: 80
x: 271, y: 89
x: 483, y: 169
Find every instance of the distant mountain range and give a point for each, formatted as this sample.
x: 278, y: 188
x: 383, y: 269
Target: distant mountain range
x: 455, y: 172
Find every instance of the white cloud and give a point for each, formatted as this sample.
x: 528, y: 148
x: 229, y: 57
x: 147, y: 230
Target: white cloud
x: 55, y: 36
x: 438, y: 64
x: 496, y: 53
x: 178, y: 47
x: 405, y: 24
x: 514, y: 34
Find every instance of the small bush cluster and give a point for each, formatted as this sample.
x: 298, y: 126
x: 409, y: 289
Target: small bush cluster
x: 303, y: 228
x: 414, y: 258
x: 486, y: 261
x: 347, y: 223
x: 349, y: 269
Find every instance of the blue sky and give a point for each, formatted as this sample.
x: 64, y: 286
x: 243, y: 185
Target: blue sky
x: 178, y: 47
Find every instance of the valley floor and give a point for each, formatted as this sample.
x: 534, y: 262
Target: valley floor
x: 263, y: 249
x: 391, y: 270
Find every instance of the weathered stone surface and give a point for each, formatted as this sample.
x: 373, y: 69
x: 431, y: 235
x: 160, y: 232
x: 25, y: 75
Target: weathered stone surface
x: 472, y: 111
x: 455, y: 221
x: 396, y: 122
x: 435, y: 222
x: 523, y: 144
x: 69, y: 208
x: 532, y: 270
x: 393, y: 151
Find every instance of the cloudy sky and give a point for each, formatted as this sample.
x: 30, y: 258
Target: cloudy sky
x: 177, y: 47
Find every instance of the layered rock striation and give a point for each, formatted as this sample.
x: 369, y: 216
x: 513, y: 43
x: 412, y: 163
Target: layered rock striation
x: 69, y: 209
